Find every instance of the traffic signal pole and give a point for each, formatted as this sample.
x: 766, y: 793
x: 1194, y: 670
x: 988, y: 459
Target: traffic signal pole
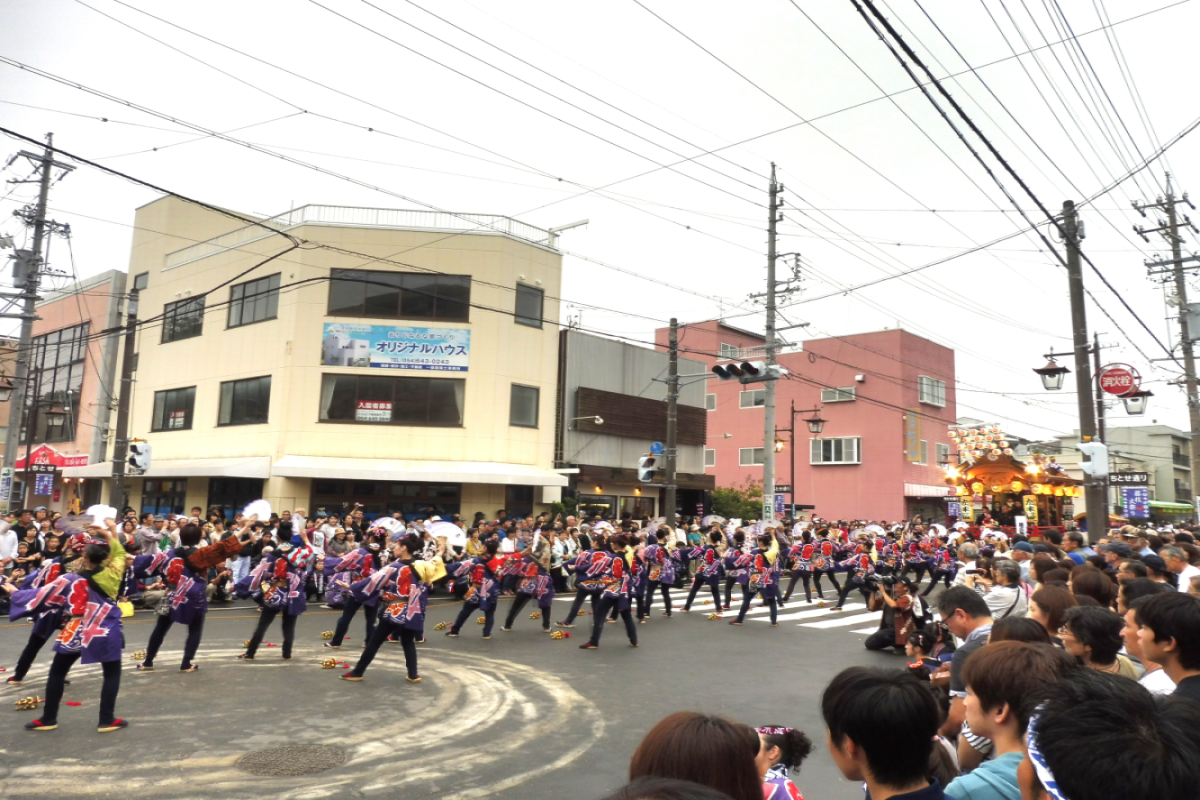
x: 768, y: 506
x: 119, y: 493
x: 669, y: 493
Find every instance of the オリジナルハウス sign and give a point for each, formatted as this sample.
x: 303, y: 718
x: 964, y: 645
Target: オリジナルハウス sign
x: 441, y: 349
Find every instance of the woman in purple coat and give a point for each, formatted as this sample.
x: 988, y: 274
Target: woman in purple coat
x: 277, y: 583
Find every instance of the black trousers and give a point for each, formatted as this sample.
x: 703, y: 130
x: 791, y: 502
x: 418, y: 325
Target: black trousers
x: 264, y: 622
x: 729, y: 584
x: 386, y: 628
x: 817, y: 573
x: 577, y: 603
x: 881, y: 639
x: 748, y: 597
x: 920, y: 569
x: 797, y: 575
x: 25, y: 661
x: 559, y: 579
x: 348, y: 611
x: 603, y: 608
x: 465, y: 614
x: 697, y: 582
x: 938, y: 575
x: 518, y: 603
x: 195, y: 631
x: 59, y: 668
x: 851, y: 585
x: 647, y: 599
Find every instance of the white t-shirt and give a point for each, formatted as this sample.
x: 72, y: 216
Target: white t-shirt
x: 1157, y: 682
x: 506, y: 545
x: 317, y: 538
x: 1185, y: 577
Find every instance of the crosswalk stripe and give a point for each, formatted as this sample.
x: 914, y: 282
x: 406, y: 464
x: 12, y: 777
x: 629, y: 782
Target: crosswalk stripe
x: 840, y: 621
x: 816, y: 612
x: 865, y: 630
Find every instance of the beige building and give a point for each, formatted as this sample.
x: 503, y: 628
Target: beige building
x: 404, y: 360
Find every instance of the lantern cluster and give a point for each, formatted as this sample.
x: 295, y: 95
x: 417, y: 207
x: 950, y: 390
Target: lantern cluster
x: 1056, y: 491
x: 975, y: 443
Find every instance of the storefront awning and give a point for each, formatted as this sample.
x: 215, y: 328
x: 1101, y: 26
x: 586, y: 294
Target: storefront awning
x: 1179, y: 508
x: 925, y: 490
x: 490, y: 472
x: 249, y: 467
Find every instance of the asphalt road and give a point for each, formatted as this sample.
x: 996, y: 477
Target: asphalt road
x: 519, y: 716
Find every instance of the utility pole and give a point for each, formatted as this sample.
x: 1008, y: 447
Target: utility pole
x: 1175, y: 269
x: 29, y: 263
x: 119, y: 495
x: 672, y: 423
x: 773, y: 205
x: 1099, y: 406
x: 1094, y: 491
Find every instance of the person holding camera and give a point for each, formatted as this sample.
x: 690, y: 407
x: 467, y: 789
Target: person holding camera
x: 1003, y: 592
x: 898, y: 620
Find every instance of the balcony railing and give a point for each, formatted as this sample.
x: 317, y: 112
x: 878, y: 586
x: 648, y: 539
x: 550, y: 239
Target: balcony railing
x: 1181, y: 460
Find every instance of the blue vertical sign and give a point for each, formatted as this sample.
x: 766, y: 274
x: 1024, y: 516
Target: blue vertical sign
x: 1136, y: 500
x: 779, y: 503
x: 43, y: 484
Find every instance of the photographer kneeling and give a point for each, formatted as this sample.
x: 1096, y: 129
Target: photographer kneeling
x: 1004, y: 594
x: 897, y: 622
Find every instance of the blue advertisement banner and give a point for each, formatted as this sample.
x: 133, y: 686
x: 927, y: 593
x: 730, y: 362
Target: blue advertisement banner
x: 441, y: 349
x: 1136, y: 501
x: 43, y: 484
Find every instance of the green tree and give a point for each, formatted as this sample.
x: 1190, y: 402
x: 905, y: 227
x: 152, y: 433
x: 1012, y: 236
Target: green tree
x: 741, y: 502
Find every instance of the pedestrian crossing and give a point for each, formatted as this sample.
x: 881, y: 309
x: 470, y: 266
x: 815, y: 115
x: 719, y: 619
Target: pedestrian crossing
x: 797, y: 612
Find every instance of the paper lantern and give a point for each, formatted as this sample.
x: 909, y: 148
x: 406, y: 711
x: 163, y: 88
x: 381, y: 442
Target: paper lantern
x: 998, y: 489
x: 1017, y: 486
x: 977, y: 487
x: 1002, y: 443
x: 1008, y: 451
x: 995, y: 451
x: 977, y: 453
x: 962, y: 491
x: 974, y: 431
x: 1058, y: 492
x: 1037, y: 488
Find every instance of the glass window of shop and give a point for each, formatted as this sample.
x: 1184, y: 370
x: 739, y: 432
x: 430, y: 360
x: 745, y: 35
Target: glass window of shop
x: 164, y: 497
x: 518, y: 501
x: 638, y: 506
x: 409, y: 498
x: 592, y: 504
x: 231, y: 495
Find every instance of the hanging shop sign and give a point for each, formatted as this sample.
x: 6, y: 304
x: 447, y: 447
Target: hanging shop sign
x: 439, y: 349
x: 1119, y: 379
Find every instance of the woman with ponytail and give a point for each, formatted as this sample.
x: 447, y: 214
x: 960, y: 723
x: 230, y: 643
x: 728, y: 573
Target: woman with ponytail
x: 781, y: 750
x: 480, y: 573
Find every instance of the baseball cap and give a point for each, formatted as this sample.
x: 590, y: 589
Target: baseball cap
x: 1120, y: 548
x: 159, y: 518
x: 1024, y: 547
x: 1042, y: 548
x: 1155, y: 563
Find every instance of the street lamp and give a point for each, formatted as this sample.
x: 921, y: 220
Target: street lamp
x: 1052, y: 375
x: 55, y: 417
x: 6, y: 390
x: 815, y: 424
x: 597, y: 419
x: 1135, y: 402
x: 779, y: 445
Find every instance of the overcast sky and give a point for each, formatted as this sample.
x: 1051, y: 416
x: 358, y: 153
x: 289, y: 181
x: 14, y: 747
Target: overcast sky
x: 603, y: 94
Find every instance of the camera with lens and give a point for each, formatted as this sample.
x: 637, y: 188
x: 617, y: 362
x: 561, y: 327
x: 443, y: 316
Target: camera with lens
x: 877, y: 580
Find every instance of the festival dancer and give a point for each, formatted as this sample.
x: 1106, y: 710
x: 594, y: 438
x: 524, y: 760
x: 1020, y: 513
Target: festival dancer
x: 799, y: 556
x: 615, y: 574
x: 185, y: 570
x: 916, y: 555
x: 48, y: 620
x: 735, y: 553
x: 88, y: 599
x: 943, y: 566
x: 708, y: 572
x: 344, y: 573
x: 825, y: 563
x: 859, y: 568
x: 532, y: 567
x: 762, y: 577
x: 781, y: 749
x: 405, y: 586
x: 587, y: 567
x: 277, y: 583
x: 481, y: 575
x: 660, y: 573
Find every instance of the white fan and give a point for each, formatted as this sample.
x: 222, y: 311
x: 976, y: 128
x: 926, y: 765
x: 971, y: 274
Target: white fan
x: 876, y: 529
x: 389, y: 524
x: 258, y: 508
x: 100, y: 513
x: 940, y: 530
x: 455, y: 536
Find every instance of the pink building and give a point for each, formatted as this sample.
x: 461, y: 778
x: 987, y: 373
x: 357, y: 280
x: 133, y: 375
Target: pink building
x: 887, y: 399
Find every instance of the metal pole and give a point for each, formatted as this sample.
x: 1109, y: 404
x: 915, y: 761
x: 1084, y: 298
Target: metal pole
x: 672, y: 422
x: 119, y: 493
x: 769, y: 386
x: 792, y: 478
x: 1185, y: 339
x: 1100, y: 412
x: 20, y: 380
x: 1097, y: 519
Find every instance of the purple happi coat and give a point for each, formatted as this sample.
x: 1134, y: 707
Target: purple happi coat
x: 405, y: 592
x: 349, y: 569
x: 483, y: 583
x: 93, y: 620
x: 187, y: 595
x: 660, y: 564
x: 278, y: 581
x: 49, y: 619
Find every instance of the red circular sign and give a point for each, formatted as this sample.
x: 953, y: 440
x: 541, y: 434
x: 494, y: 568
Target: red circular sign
x: 1119, y: 379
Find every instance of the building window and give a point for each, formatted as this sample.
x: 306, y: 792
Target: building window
x: 245, y: 402
x: 141, y: 281
x: 399, y: 295
x: 923, y: 453
x: 530, y: 301
x: 638, y: 507
x: 931, y: 391
x: 518, y: 501
x: 728, y: 351
x: 183, y: 320
x: 710, y: 457
x: 382, y: 497
x: 753, y: 398
x: 164, y: 497
x: 836, y: 451
x: 839, y: 395
x: 943, y: 454
x: 750, y: 456
x: 710, y: 402
x: 371, y: 400
x: 231, y: 495
x: 254, y: 301
x: 523, y: 406
x: 55, y: 382
x: 173, y: 410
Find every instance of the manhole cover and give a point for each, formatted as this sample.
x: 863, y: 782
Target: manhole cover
x: 286, y: 762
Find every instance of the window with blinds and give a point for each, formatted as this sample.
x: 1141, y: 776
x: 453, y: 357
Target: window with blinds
x: 844, y: 450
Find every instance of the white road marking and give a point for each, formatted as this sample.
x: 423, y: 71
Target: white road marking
x: 842, y: 621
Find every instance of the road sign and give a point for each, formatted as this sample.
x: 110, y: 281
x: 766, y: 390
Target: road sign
x: 778, y: 504
x: 783, y: 488
x: 656, y: 448
x: 1129, y: 478
x: 1119, y: 379
x: 1136, y: 501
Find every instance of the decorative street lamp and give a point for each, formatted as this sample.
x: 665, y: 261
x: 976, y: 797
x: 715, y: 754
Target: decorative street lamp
x: 815, y: 425
x: 1135, y: 402
x: 1052, y: 375
x: 6, y: 390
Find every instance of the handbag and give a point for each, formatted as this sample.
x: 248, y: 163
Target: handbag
x: 163, y: 609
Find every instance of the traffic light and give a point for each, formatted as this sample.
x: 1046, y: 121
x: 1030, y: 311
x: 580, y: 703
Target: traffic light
x: 749, y: 371
x: 139, y: 457
x: 646, y: 467
x: 1098, y: 452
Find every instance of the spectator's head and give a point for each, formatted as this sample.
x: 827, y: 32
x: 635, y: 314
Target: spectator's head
x: 963, y: 610
x: 1097, y: 737
x: 881, y: 725
x: 1049, y: 606
x: 1092, y: 583
x: 1072, y: 541
x: 1041, y: 565
x: 1019, y: 629
x: 189, y: 535
x: 709, y: 750
x: 1135, y: 589
x: 1175, y: 559
x: 1092, y: 634
x: 1114, y: 552
x: 1131, y: 568
x: 968, y: 552
x: 1001, y: 677
x: 780, y: 745
x: 1169, y: 629
x: 1007, y: 572
x: 651, y: 788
